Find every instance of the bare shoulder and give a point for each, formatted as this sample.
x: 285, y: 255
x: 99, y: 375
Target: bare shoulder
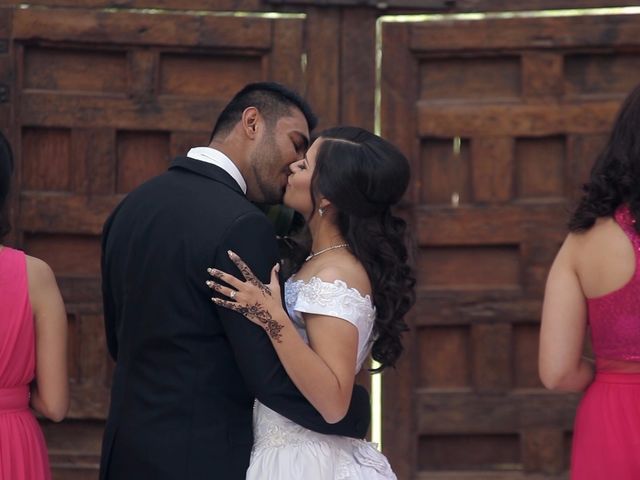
x: 604, y: 259
x: 350, y: 272
x: 576, y: 242
x: 603, y: 236
x: 569, y: 247
x: 43, y: 290
x: 607, y: 229
x: 39, y: 272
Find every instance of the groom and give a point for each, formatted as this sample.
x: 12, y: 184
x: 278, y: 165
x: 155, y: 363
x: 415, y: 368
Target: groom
x: 187, y: 372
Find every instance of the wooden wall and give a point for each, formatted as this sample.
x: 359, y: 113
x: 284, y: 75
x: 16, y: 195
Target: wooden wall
x: 507, y: 114
x: 502, y: 118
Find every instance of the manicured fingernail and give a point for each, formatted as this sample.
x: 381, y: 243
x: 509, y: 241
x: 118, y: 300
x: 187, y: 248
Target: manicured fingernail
x: 210, y: 270
x: 214, y: 300
x: 277, y: 267
x: 209, y: 283
x: 230, y: 253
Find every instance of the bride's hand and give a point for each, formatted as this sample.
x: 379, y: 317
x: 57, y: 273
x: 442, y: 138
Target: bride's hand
x: 252, y: 298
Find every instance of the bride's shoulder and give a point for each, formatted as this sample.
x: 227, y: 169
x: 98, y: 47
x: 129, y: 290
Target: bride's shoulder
x: 352, y: 275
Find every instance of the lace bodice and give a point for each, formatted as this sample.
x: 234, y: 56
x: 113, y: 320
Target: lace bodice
x: 335, y: 299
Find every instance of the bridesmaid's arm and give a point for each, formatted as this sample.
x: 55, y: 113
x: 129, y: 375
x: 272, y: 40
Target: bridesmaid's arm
x: 563, y: 329
x: 50, y: 390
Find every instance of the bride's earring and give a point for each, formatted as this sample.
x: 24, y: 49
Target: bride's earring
x: 321, y: 211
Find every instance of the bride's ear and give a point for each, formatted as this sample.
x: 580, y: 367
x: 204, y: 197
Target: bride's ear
x: 324, y: 203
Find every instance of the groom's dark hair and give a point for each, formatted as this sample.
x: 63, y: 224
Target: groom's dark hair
x: 272, y: 100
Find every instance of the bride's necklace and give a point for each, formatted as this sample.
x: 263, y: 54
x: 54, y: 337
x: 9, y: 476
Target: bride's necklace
x: 333, y: 247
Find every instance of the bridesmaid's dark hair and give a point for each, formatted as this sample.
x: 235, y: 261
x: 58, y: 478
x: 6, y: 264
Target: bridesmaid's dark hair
x: 363, y: 176
x: 6, y: 170
x: 615, y: 176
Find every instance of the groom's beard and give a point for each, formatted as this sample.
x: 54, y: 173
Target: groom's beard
x: 270, y: 176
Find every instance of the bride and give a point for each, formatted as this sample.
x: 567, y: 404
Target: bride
x: 347, y: 300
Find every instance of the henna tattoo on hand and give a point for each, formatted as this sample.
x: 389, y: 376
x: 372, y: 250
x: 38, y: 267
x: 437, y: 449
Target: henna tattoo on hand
x: 251, y: 278
x: 248, y: 274
x: 266, y: 291
x: 258, y: 312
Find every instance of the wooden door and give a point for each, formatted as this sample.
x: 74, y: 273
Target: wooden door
x: 502, y: 118
x: 103, y: 100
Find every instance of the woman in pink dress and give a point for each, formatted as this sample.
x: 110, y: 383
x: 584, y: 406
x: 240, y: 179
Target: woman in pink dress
x: 33, y: 342
x: 595, y: 282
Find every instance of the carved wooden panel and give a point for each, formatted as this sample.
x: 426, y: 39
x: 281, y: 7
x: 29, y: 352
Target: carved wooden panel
x: 502, y: 119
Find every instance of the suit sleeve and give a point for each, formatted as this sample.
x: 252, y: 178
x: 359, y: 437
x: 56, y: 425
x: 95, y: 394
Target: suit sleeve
x: 107, y: 297
x: 253, y: 239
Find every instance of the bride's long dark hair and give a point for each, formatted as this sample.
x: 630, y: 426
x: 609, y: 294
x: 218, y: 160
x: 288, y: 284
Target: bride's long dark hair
x: 615, y: 176
x: 363, y: 176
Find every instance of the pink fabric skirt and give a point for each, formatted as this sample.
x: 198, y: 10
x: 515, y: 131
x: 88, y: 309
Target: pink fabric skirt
x: 23, y: 452
x: 606, y: 436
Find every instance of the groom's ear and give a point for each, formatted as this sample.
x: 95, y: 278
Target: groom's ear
x: 324, y: 203
x: 250, y: 122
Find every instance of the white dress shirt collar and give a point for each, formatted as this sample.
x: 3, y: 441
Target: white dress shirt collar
x: 216, y: 157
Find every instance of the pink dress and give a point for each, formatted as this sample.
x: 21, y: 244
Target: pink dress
x: 23, y: 452
x: 606, y: 437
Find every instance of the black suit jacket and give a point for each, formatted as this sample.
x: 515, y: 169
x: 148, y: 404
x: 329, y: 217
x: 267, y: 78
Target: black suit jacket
x: 186, y: 371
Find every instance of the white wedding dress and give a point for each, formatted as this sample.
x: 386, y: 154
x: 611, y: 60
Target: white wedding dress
x: 284, y: 450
